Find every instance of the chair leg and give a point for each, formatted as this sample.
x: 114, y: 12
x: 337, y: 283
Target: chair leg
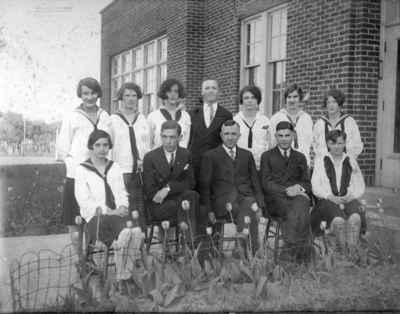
x: 150, y: 238
x: 276, y: 243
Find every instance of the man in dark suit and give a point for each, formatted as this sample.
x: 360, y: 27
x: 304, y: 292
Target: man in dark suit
x: 286, y: 185
x: 206, y: 119
x: 168, y: 179
x: 229, y: 176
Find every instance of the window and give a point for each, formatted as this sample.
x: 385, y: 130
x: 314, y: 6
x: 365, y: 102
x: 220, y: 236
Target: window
x: 264, y: 56
x: 146, y: 65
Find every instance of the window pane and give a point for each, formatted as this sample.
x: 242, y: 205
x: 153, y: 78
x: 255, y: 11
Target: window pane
x: 276, y: 101
x: 138, y: 58
x: 283, y: 47
x: 258, y: 56
x: 248, y: 33
x: 126, y: 78
x: 138, y: 78
x: 150, y: 80
x: 146, y: 104
x: 163, y: 49
x: 149, y: 54
x: 252, y: 75
x: 283, y: 22
x: 275, y: 48
x: 275, y: 24
x: 162, y: 72
x: 126, y: 62
x: 258, y: 31
x: 115, y: 65
x: 114, y: 87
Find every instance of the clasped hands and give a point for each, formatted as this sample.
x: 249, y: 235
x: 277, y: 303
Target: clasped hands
x: 120, y: 211
x: 295, y: 190
x: 340, y: 199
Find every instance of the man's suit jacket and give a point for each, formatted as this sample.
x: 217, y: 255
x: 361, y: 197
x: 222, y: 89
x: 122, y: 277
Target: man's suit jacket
x: 221, y: 177
x: 277, y: 175
x: 202, y: 138
x: 157, y: 173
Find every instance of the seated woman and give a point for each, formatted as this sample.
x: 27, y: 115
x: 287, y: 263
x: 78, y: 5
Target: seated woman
x: 99, y: 186
x: 337, y: 182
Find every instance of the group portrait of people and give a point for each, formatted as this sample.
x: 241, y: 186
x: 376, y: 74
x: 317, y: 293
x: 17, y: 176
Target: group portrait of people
x: 242, y: 166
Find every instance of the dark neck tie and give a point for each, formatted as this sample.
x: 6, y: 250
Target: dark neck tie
x: 132, y: 140
x: 171, y: 162
x: 232, y: 153
x: 250, y: 136
x: 286, y: 155
x: 110, y: 199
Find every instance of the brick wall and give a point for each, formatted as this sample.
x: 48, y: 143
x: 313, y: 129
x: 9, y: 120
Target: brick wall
x: 129, y: 23
x: 335, y: 43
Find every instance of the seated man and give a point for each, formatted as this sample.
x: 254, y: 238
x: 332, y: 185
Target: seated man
x: 285, y: 181
x: 228, y: 175
x: 168, y: 179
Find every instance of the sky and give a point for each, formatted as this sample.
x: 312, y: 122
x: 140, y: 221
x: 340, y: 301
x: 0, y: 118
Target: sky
x: 46, y: 47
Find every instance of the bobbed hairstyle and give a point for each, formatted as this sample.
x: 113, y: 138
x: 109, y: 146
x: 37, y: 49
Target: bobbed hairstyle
x: 96, y: 135
x: 334, y: 135
x: 131, y: 86
x: 337, y: 94
x: 166, y: 87
x: 254, y: 90
x: 91, y: 83
x: 171, y: 125
x: 294, y: 87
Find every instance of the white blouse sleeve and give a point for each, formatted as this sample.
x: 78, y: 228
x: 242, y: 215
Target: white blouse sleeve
x: 319, y: 144
x: 354, y: 144
x: 305, y: 136
x: 357, y: 185
x: 319, y: 181
x: 83, y: 195
x: 64, y: 138
x: 118, y: 187
x: 185, y: 129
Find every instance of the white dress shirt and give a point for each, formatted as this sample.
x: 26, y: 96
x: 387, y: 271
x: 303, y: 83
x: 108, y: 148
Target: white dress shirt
x: 73, y: 137
x: 261, y: 135
x: 354, y: 145
x: 121, y: 152
x: 168, y: 155
x: 320, y: 182
x: 283, y: 152
x: 90, y: 192
x: 155, y: 119
x: 206, y: 112
x: 303, y: 128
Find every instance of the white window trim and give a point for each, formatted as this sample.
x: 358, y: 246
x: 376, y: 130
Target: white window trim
x: 266, y: 65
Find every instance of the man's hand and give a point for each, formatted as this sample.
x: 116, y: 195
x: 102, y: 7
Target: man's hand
x: 160, y: 195
x: 121, y: 211
x: 291, y: 191
x: 211, y: 216
x: 335, y: 199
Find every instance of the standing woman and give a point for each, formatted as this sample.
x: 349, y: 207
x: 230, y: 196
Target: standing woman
x: 254, y: 126
x: 131, y: 138
x: 171, y: 92
x: 301, y: 121
x: 100, y: 191
x: 338, y: 183
x: 336, y: 120
x: 72, y: 143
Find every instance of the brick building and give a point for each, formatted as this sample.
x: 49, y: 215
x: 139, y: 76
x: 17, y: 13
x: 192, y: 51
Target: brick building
x: 349, y: 44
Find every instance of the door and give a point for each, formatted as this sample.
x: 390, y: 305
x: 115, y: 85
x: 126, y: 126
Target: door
x: 388, y: 139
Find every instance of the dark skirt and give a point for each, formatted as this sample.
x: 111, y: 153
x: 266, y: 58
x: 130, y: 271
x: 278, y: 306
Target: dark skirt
x: 106, y: 230
x: 134, y: 187
x: 69, y: 205
x: 326, y: 210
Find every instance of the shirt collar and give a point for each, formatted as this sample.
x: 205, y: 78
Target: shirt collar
x: 283, y: 151
x: 206, y: 106
x: 228, y: 150
x: 168, y: 154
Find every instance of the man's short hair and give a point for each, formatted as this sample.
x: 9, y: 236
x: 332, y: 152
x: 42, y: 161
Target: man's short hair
x: 333, y: 135
x: 284, y: 125
x: 230, y: 123
x: 171, y: 125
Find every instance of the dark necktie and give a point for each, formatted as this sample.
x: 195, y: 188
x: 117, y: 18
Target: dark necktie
x: 132, y: 140
x: 172, y: 161
x: 286, y: 155
x: 250, y: 136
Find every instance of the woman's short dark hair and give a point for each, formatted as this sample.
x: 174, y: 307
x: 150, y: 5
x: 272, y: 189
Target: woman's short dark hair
x: 337, y: 94
x: 294, y: 87
x: 254, y: 90
x: 91, y: 83
x: 96, y: 135
x: 334, y: 135
x: 131, y: 86
x: 166, y: 87
x: 171, y: 125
